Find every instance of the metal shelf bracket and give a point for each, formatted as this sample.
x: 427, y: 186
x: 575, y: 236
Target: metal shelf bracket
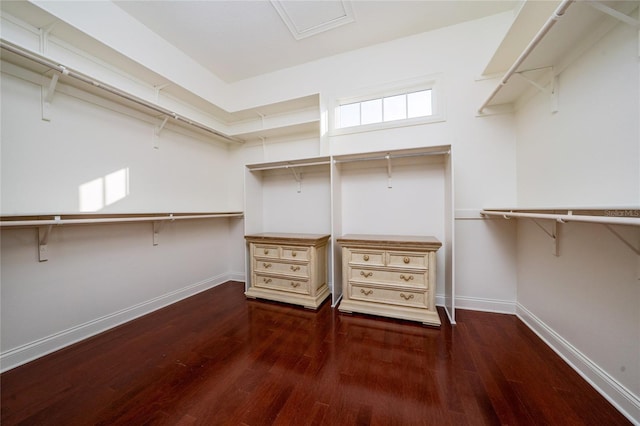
x: 43, y: 240
x: 389, y: 171
x: 157, y: 226
x: 297, y: 176
x: 633, y: 248
x: 47, y: 97
x: 553, y: 234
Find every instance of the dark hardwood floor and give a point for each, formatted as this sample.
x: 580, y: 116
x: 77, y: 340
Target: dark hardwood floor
x: 218, y: 359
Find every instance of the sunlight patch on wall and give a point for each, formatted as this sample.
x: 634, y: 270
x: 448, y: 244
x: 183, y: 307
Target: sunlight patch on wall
x: 104, y: 191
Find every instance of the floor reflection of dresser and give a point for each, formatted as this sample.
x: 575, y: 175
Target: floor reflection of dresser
x: 290, y: 268
x: 392, y: 276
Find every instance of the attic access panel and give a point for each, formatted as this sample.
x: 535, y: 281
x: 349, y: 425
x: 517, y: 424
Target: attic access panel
x: 308, y: 18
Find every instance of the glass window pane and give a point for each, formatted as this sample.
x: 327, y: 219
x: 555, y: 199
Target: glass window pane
x: 395, y: 108
x: 419, y: 104
x: 371, y: 111
x: 350, y: 115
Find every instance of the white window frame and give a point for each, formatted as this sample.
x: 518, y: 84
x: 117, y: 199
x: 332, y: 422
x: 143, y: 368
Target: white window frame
x: 433, y: 83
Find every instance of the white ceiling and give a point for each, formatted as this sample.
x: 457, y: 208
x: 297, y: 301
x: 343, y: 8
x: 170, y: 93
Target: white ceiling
x: 242, y: 39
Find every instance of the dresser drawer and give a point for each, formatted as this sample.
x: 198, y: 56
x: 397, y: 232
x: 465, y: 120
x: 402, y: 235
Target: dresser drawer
x: 263, y: 250
x: 408, y: 278
x: 283, y: 284
x: 408, y: 260
x: 366, y: 257
x: 384, y: 295
x: 295, y: 253
x: 269, y: 266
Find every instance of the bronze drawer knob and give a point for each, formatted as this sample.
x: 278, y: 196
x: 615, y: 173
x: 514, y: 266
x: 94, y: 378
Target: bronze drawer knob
x: 366, y: 274
x: 366, y: 292
x: 406, y: 259
x: 406, y: 297
x: 405, y: 277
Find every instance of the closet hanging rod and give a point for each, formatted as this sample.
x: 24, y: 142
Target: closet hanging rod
x: 392, y: 157
x: 171, y: 217
x: 557, y: 14
x: 287, y: 166
x: 88, y: 80
x: 633, y: 221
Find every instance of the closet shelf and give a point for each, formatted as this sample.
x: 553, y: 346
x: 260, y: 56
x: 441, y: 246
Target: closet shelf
x: 85, y: 219
x: 613, y: 216
x: 544, y: 38
x: 43, y: 65
x: 45, y: 223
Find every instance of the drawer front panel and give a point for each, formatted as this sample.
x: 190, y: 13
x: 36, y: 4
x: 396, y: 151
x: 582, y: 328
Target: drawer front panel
x: 264, y: 250
x: 295, y: 253
x: 409, y: 278
x: 268, y: 266
x: 365, y: 257
x: 409, y: 260
x: 394, y: 297
x: 282, y: 284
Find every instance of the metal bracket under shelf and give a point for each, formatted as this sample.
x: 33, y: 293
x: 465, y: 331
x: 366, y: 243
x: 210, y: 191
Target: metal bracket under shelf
x: 553, y: 234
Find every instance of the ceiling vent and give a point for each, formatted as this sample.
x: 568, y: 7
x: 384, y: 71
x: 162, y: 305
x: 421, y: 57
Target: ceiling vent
x: 308, y: 18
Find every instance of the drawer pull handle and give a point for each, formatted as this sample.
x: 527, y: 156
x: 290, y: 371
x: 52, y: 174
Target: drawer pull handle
x: 266, y: 265
x: 366, y: 274
x: 294, y: 284
x: 365, y: 257
x: 266, y: 251
x: 406, y: 297
x: 406, y: 259
x: 295, y: 268
x: 366, y: 292
x: 406, y: 278
x: 266, y: 280
x: 293, y: 253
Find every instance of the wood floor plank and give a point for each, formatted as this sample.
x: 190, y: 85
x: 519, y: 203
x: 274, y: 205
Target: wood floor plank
x: 217, y: 358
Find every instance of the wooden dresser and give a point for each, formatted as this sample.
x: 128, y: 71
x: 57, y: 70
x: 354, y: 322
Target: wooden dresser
x: 392, y: 276
x: 290, y: 268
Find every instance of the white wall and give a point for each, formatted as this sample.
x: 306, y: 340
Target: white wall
x: 99, y: 276
x: 483, y: 148
x: 588, y: 153
x: 96, y: 157
x: 586, y: 302
x: 64, y: 165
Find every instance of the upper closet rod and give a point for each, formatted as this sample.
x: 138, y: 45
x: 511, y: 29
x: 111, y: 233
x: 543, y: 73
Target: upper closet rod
x: 287, y: 166
x: 557, y: 14
x: 390, y: 157
x: 88, y: 80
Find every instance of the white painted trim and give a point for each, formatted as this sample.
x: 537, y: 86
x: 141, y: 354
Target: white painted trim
x: 237, y: 276
x: 616, y: 393
x: 28, y: 352
x: 486, y: 305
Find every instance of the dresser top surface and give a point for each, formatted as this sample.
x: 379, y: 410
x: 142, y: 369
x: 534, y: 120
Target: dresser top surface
x: 283, y: 237
x: 417, y: 241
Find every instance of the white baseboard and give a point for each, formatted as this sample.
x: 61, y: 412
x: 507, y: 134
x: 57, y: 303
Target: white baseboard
x: 485, y: 305
x: 28, y: 352
x: 618, y: 395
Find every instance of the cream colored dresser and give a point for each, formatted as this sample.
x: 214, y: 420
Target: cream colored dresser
x: 290, y: 268
x: 392, y: 276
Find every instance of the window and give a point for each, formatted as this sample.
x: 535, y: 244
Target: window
x: 412, y: 104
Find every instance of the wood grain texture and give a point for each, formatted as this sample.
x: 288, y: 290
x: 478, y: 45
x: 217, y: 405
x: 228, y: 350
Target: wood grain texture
x: 217, y: 358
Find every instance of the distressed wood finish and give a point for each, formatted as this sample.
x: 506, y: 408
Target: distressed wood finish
x: 289, y: 268
x: 392, y: 276
x: 219, y: 359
